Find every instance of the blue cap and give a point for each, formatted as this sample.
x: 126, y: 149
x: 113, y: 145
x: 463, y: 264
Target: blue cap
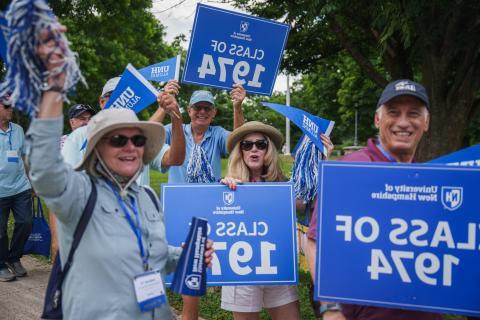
x: 202, y: 95
x: 403, y: 87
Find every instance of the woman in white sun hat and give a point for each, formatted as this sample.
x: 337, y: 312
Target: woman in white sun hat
x: 123, y: 249
x: 253, y: 149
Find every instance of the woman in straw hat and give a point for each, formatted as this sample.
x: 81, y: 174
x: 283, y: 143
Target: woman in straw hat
x: 123, y: 249
x: 253, y: 149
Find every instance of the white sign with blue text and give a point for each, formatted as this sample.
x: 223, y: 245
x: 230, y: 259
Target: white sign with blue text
x: 399, y: 236
x: 253, y: 229
x: 228, y: 47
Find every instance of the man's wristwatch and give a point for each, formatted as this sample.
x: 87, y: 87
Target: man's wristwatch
x: 324, y: 307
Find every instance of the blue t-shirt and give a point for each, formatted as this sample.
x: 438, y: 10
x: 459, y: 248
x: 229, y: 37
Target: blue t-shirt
x: 214, y: 144
x: 13, y: 178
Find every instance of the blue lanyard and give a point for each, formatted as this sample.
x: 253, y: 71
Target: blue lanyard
x: 10, y: 135
x: 135, y: 227
x: 385, y: 153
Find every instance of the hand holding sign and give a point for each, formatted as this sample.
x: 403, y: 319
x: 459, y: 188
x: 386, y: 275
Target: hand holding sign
x: 169, y: 104
x: 172, y: 87
x: 237, y: 95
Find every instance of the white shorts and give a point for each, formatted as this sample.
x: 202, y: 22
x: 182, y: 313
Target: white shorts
x: 254, y: 298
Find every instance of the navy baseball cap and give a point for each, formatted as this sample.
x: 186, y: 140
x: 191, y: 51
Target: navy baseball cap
x: 403, y: 87
x: 78, y: 109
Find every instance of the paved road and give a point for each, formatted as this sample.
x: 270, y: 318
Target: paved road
x: 23, y: 299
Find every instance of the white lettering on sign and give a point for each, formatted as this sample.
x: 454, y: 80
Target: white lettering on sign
x: 159, y: 71
x: 240, y: 254
x: 234, y: 229
x: 429, y: 268
x: 425, y: 264
x: 127, y: 99
x: 239, y: 71
x: 310, y: 126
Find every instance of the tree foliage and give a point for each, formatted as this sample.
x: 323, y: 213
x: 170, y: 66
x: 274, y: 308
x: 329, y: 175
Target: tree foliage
x: 107, y: 35
x: 433, y: 42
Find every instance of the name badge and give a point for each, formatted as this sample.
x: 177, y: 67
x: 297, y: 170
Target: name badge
x: 149, y: 290
x: 12, y: 156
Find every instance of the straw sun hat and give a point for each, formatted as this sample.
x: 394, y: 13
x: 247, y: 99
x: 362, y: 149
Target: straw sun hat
x: 251, y: 127
x: 111, y: 119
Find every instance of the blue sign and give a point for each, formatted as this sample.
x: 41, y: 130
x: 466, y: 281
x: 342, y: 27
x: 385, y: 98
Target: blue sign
x: 311, y: 125
x: 253, y: 229
x: 3, y: 37
x: 162, y: 71
x: 399, y: 236
x: 466, y: 157
x: 132, y: 92
x: 228, y: 48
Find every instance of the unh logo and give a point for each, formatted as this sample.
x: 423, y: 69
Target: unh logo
x: 244, y: 26
x: 193, y: 281
x: 228, y: 198
x: 452, y: 197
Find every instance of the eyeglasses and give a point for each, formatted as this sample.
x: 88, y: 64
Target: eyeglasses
x: 205, y: 108
x: 6, y: 106
x: 120, y: 141
x: 246, y: 145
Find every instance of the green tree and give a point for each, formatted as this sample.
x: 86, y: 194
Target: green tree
x: 107, y: 35
x: 433, y: 42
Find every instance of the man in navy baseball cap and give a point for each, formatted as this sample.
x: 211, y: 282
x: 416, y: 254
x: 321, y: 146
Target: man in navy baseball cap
x: 403, y: 88
x: 402, y: 118
x: 79, y: 115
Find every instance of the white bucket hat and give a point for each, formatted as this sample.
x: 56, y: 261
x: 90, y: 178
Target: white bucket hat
x: 114, y: 118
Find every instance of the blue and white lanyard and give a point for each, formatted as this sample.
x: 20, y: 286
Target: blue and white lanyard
x: 385, y: 153
x: 9, y: 134
x: 135, y: 227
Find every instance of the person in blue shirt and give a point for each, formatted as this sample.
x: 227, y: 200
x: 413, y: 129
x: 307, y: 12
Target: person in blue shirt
x: 205, y: 144
x: 15, y: 194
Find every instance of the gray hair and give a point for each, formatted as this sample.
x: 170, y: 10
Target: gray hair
x: 381, y: 109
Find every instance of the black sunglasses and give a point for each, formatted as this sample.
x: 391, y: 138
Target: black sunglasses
x: 120, y: 141
x: 246, y: 145
x: 6, y: 107
x: 205, y: 108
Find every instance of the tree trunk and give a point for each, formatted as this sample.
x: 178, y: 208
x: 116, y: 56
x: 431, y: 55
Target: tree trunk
x: 448, y: 127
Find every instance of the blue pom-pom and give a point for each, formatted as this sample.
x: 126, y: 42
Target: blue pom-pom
x: 199, y: 169
x: 305, y: 170
x: 26, y: 73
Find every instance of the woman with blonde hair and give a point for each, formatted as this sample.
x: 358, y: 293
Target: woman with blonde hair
x: 253, y: 149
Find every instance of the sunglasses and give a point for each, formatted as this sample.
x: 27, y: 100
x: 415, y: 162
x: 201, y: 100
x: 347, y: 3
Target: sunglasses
x: 119, y: 141
x: 246, y: 145
x: 6, y: 107
x: 205, y: 108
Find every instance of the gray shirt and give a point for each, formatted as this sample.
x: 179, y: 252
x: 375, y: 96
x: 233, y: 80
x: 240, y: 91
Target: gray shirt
x: 99, y: 284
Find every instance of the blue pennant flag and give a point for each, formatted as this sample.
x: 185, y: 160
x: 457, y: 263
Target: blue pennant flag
x: 466, y: 157
x: 162, y: 71
x: 3, y: 39
x: 311, y: 125
x: 132, y: 92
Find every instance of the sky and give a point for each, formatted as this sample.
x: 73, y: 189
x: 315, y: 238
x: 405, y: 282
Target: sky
x: 177, y: 16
